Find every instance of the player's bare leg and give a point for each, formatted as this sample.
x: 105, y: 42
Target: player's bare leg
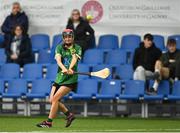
x: 62, y: 107
x: 160, y: 72
x: 62, y: 91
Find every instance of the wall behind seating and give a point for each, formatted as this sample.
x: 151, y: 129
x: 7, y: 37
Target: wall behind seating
x: 109, y: 17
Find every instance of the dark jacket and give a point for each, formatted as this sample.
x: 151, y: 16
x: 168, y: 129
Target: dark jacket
x: 170, y: 56
x: 25, y: 51
x: 146, y: 57
x: 80, y: 33
x: 12, y: 20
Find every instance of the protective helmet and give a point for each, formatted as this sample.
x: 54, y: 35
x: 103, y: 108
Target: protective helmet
x: 68, y: 32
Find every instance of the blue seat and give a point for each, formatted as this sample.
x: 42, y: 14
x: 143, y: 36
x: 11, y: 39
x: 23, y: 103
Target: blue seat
x: 175, y: 96
x: 1, y: 39
x: 87, y: 89
x: 177, y: 38
x: 40, y: 42
x: 16, y: 89
x: 32, y: 72
x: 57, y: 40
x: 159, y: 42
x: 163, y: 91
x: 116, y: 57
x: 134, y: 90
x: 51, y: 72
x: 1, y: 87
x: 100, y: 67
x: 44, y: 57
x: 130, y: 42
x: 108, y: 42
x: 83, y: 68
x: 130, y: 57
x: 40, y: 89
x: 110, y: 89
x: 93, y: 57
x: 10, y: 71
x: 124, y: 72
x: 2, y: 56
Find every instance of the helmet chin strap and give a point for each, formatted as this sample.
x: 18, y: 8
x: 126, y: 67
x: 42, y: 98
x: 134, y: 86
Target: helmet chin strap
x: 67, y: 45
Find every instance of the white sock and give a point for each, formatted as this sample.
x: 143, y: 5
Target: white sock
x: 155, y: 86
x: 157, y: 70
x: 176, y: 79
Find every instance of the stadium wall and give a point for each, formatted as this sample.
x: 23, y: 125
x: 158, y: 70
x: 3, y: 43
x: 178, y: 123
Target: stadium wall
x: 109, y: 17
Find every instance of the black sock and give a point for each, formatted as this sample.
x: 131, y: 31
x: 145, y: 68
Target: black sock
x: 49, y: 120
x: 67, y: 113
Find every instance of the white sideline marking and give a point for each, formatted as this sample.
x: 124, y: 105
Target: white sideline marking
x: 107, y: 131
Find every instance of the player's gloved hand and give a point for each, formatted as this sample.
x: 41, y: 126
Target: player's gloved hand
x: 70, y: 72
x: 65, y: 71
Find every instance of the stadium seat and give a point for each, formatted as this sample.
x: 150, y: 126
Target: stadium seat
x: 40, y: 89
x: 116, y: 57
x: 130, y: 42
x: 110, y: 89
x: 93, y: 57
x: 130, y: 57
x: 87, y: 89
x: 16, y: 89
x: 100, y: 67
x: 2, y: 56
x: 108, y: 42
x: 163, y: 91
x: 9, y: 71
x: 1, y: 87
x: 134, y: 90
x: 51, y: 72
x: 44, y: 57
x: 159, y: 42
x: 83, y: 68
x: 32, y: 72
x: 1, y: 39
x: 124, y: 72
x: 175, y: 92
x: 177, y: 38
x: 40, y: 42
x: 57, y: 39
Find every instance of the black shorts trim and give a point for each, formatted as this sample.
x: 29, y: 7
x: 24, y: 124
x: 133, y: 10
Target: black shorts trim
x: 73, y: 86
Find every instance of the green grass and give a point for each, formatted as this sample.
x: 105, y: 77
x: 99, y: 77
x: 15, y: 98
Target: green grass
x: 90, y: 124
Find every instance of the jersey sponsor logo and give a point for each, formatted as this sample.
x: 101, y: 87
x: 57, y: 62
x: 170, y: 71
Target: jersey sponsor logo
x: 66, y: 62
x: 94, y: 9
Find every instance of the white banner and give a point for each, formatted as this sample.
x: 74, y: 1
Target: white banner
x: 108, y: 15
x: 106, y: 12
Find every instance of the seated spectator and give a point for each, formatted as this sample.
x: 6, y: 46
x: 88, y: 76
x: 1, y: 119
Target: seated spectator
x: 18, y: 48
x: 145, y: 58
x: 168, y: 67
x: 83, y: 32
x: 17, y: 17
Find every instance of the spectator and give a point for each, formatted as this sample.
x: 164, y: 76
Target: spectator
x: 17, y: 17
x: 144, y: 58
x: 18, y: 48
x: 168, y: 67
x: 83, y: 32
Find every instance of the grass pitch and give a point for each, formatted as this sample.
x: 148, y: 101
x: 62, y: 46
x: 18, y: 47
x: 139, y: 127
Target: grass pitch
x: 90, y: 124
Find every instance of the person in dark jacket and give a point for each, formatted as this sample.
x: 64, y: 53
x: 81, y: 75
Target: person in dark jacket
x: 168, y: 67
x: 17, y: 17
x: 145, y: 58
x: 18, y: 48
x: 83, y: 32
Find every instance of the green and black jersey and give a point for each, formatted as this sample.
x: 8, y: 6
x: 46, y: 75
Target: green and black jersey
x: 66, y: 57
